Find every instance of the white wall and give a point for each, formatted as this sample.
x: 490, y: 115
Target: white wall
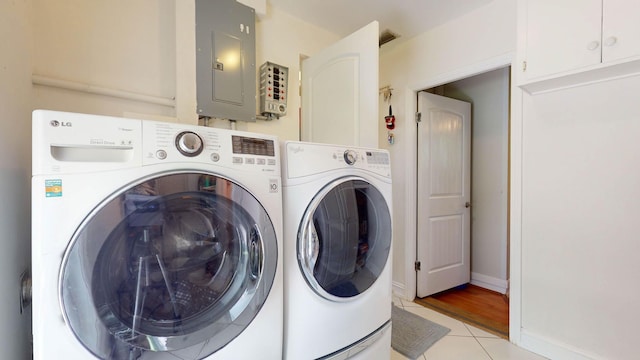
x: 150, y: 51
x: 580, y: 208
x: 15, y: 173
x: 482, y: 40
x: 81, y: 42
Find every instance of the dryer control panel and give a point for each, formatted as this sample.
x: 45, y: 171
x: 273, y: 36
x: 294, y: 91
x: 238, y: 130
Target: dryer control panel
x: 304, y: 159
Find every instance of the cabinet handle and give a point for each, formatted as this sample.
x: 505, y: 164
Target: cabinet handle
x: 611, y: 40
x: 593, y: 45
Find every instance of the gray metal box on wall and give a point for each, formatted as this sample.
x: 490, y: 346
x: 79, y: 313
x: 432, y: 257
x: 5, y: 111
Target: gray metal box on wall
x: 225, y: 60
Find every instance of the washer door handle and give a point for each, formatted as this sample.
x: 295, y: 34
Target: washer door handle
x: 256, y: 256
x: 311, y: 247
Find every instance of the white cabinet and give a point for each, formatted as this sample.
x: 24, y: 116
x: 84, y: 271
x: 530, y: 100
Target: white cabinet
x: 571, y: 41
x: 620, y: 29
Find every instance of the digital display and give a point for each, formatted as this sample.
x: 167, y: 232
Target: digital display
x: 253, y: 146
x: 377, y: 158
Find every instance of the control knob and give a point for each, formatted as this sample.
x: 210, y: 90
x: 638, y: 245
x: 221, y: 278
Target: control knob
x: 189, y: 143
x: 350, y: 157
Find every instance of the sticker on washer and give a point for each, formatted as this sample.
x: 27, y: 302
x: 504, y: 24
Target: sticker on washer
x: 53, y: 188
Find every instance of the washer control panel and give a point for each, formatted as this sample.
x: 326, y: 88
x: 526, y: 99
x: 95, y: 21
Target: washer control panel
x: 189, y: 143
x: 80, y: 143
x: 171, y: 142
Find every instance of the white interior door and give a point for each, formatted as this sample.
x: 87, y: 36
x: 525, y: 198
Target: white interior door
x: 444, y: 186
x: 340, y: 91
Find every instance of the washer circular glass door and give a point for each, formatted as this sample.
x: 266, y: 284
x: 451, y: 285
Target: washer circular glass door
x: 178, y: 263
x: 344, y: 239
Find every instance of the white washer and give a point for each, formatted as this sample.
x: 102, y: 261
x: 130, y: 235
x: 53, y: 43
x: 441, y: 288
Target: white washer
x: 337, y: 252
x: 154, y: 240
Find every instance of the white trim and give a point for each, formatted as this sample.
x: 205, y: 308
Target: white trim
x: 411, y: 194
x: 398, y: 290
x: 487, y: 65
x: 411, y: 106
x: 515, y: 211
x: 99, y: 90
x: 552, y: 349
x: 489, y: 282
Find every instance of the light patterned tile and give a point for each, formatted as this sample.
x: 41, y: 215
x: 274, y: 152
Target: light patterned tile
x: 481, y: 333
x: 456, y: 348
x: 501, y: 349
x: 464, y: 341
x: 397, y: 356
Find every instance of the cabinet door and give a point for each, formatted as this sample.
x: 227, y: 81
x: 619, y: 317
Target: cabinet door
x: 621, y: 30
x: 561, y: 36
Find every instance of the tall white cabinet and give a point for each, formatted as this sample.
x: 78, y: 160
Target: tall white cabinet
x: 574, y: 186
x: 563, y: 41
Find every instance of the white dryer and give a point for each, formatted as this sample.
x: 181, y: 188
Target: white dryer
x: 337, y: 252
x: 154, y: 240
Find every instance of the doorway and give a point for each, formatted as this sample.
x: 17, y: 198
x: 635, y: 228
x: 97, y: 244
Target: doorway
x: 488, y: 93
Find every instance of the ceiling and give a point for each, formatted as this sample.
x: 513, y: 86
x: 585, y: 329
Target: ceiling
x: 406, y: 18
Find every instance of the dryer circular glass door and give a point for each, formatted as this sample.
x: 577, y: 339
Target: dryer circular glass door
x: 344, y: 239
x: 178, y: 263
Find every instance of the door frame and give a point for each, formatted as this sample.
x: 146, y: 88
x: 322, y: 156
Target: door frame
x: 514, y: 222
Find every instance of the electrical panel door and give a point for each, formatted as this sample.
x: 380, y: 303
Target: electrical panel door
x: 225, y: 60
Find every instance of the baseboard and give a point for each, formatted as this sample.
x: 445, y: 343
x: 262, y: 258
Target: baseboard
x: 489, y: 282
x: 552, y: 349
x: 483, y: 281
x: 399, y: 290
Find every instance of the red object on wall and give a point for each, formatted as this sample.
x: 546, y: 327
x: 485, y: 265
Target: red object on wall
x: 390, y: 120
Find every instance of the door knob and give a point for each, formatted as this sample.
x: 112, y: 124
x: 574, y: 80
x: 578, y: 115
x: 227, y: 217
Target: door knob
x: 593, y: 45
x: 612, y: 40
x: 467, y: 204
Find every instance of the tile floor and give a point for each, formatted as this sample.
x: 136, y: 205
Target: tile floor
x: 463, y: 342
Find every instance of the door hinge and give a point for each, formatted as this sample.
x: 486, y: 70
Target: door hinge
x: 524, y: 66
x: 418, y: 117
x: 417, y: 265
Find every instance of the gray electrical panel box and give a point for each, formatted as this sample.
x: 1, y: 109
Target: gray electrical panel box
x: 273, y: 89
x: 225, y: 60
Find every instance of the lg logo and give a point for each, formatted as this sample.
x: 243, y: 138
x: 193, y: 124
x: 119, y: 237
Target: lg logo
x: 56, y: 123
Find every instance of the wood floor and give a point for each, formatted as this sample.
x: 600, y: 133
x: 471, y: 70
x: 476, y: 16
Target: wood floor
x: 472, y: 304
